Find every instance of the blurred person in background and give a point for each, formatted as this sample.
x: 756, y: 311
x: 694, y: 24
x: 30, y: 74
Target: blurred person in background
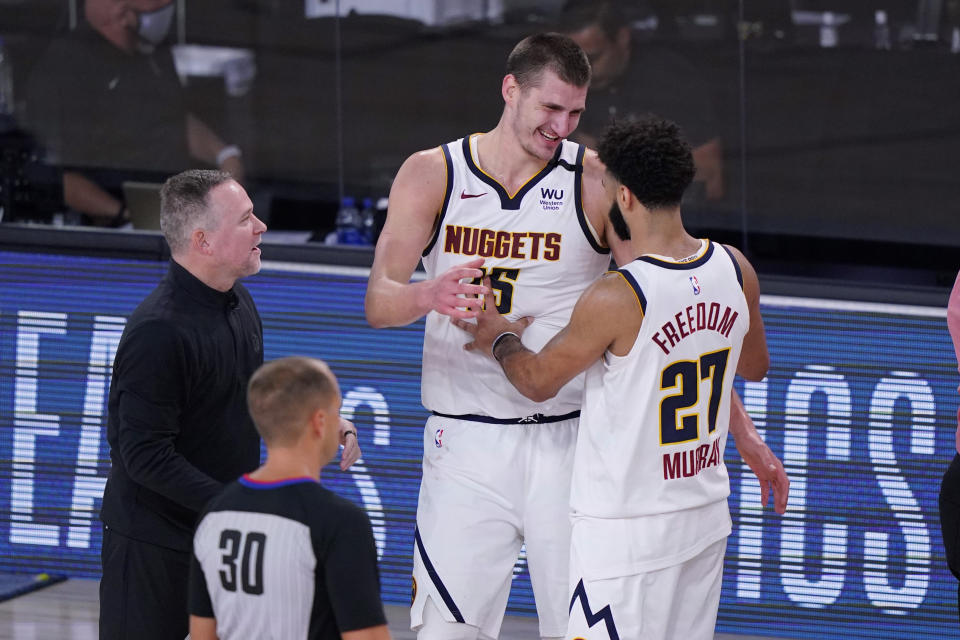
x: 106, y: 103
x: 630, y: 80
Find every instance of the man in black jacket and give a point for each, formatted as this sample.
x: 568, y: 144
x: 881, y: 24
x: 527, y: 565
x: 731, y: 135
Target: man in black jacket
x: 178, y: 426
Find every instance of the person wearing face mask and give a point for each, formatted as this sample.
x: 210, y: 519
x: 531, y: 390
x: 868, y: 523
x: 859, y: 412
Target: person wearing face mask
x: 107, y: 105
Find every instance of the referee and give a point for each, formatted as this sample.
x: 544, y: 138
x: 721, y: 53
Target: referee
x: 276, y: 555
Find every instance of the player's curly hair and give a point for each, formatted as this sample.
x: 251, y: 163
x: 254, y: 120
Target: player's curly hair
x: 651, y: 158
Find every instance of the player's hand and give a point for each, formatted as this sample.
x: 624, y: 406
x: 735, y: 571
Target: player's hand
x: 769, y: 471
x: 444, y: 293
x: 489, y: 325
x: 351, y: 445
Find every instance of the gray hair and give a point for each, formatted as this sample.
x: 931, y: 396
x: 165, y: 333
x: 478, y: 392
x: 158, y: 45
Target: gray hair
x: 183, y: 204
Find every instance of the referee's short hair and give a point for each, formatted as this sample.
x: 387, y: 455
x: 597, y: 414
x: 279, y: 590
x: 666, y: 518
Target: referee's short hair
x: 283, y: 393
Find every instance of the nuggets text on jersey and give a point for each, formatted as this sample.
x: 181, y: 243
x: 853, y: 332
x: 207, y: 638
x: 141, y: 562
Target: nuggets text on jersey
x: 489, y: 243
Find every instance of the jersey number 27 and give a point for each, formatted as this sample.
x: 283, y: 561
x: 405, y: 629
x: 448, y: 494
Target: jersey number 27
x: 679, y: 415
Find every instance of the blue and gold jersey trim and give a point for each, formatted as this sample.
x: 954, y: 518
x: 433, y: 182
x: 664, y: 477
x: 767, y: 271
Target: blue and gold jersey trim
x: 641, y: 299
x: 690, y: 264
x: 578, y: 199
x: 448, y: 163
x: 508, y: 202
x: 736, y: 265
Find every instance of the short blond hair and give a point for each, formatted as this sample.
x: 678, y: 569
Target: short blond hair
x: 283, y: 393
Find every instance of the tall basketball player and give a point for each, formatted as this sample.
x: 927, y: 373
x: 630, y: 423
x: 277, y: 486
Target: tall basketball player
x: 525, y: 207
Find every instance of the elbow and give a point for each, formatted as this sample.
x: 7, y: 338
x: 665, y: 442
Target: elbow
x: 756, y: 370
x: 538, y: 393
x: 375, y: 317
x: 375, y: 321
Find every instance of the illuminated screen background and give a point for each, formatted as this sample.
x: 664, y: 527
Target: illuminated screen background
x: 860, y: 404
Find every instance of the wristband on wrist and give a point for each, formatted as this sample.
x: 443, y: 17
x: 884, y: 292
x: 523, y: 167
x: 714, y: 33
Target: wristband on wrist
x: 500, y: 338
x: 229, y: 151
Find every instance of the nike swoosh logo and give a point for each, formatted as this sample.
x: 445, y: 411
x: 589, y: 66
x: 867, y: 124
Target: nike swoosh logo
x: 464, y: 195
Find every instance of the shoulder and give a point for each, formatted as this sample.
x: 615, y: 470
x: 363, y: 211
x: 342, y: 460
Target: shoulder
x: 426, y: 162
x: 332, y: 517
x: 596, y: 202
x: 153, y: 328
x: 419, y: 187
x: 614, y: 292
x: 748, y: 276
x: 594, y: 173
x: 159, y: 310
x: 738, y: 257
x: 224, y: 500
x: 593, y: 168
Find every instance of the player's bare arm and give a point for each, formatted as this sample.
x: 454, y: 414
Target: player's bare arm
x: 758, y: 456
x: 380, y: 632
x: 203, y: 628
x: 753, y: 365
x: 591, y: 332
x: 416, y: 198
x: 754, y: 356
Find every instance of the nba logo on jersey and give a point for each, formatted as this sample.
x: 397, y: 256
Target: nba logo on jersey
x: 695, y: 284
x: 438, y: 438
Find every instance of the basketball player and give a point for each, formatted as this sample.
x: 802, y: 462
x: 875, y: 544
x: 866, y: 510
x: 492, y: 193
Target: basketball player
x: 949, y: 501
x: 660, y: 341
x: 276, y: 555
x: 527, y: 208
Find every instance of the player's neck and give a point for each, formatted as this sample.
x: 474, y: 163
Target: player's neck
x: 501, y: 155
x: 283, y: 463
x: 662, y: 234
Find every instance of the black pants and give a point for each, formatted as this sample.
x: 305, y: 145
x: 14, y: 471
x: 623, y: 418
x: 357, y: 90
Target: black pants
x: 950, y: 517
x: 143, y: 590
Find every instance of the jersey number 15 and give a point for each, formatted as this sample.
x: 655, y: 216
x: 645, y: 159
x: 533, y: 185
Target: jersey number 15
x: 501, y: 281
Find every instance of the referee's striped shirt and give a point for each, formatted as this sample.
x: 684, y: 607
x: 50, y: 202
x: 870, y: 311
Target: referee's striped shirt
x: 286, y: 559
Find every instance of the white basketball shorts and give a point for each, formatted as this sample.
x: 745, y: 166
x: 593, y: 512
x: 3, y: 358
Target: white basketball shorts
x: 486, y: 489
x: 679, y: 601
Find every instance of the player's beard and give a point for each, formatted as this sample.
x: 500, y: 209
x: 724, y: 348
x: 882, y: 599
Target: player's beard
x: 619, y: 223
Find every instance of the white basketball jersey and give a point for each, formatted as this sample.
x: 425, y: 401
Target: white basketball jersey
x: 540, y: 252
x: 654, y: 422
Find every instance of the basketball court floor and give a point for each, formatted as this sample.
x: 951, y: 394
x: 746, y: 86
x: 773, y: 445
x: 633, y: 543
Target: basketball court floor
x: 68, y: 611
